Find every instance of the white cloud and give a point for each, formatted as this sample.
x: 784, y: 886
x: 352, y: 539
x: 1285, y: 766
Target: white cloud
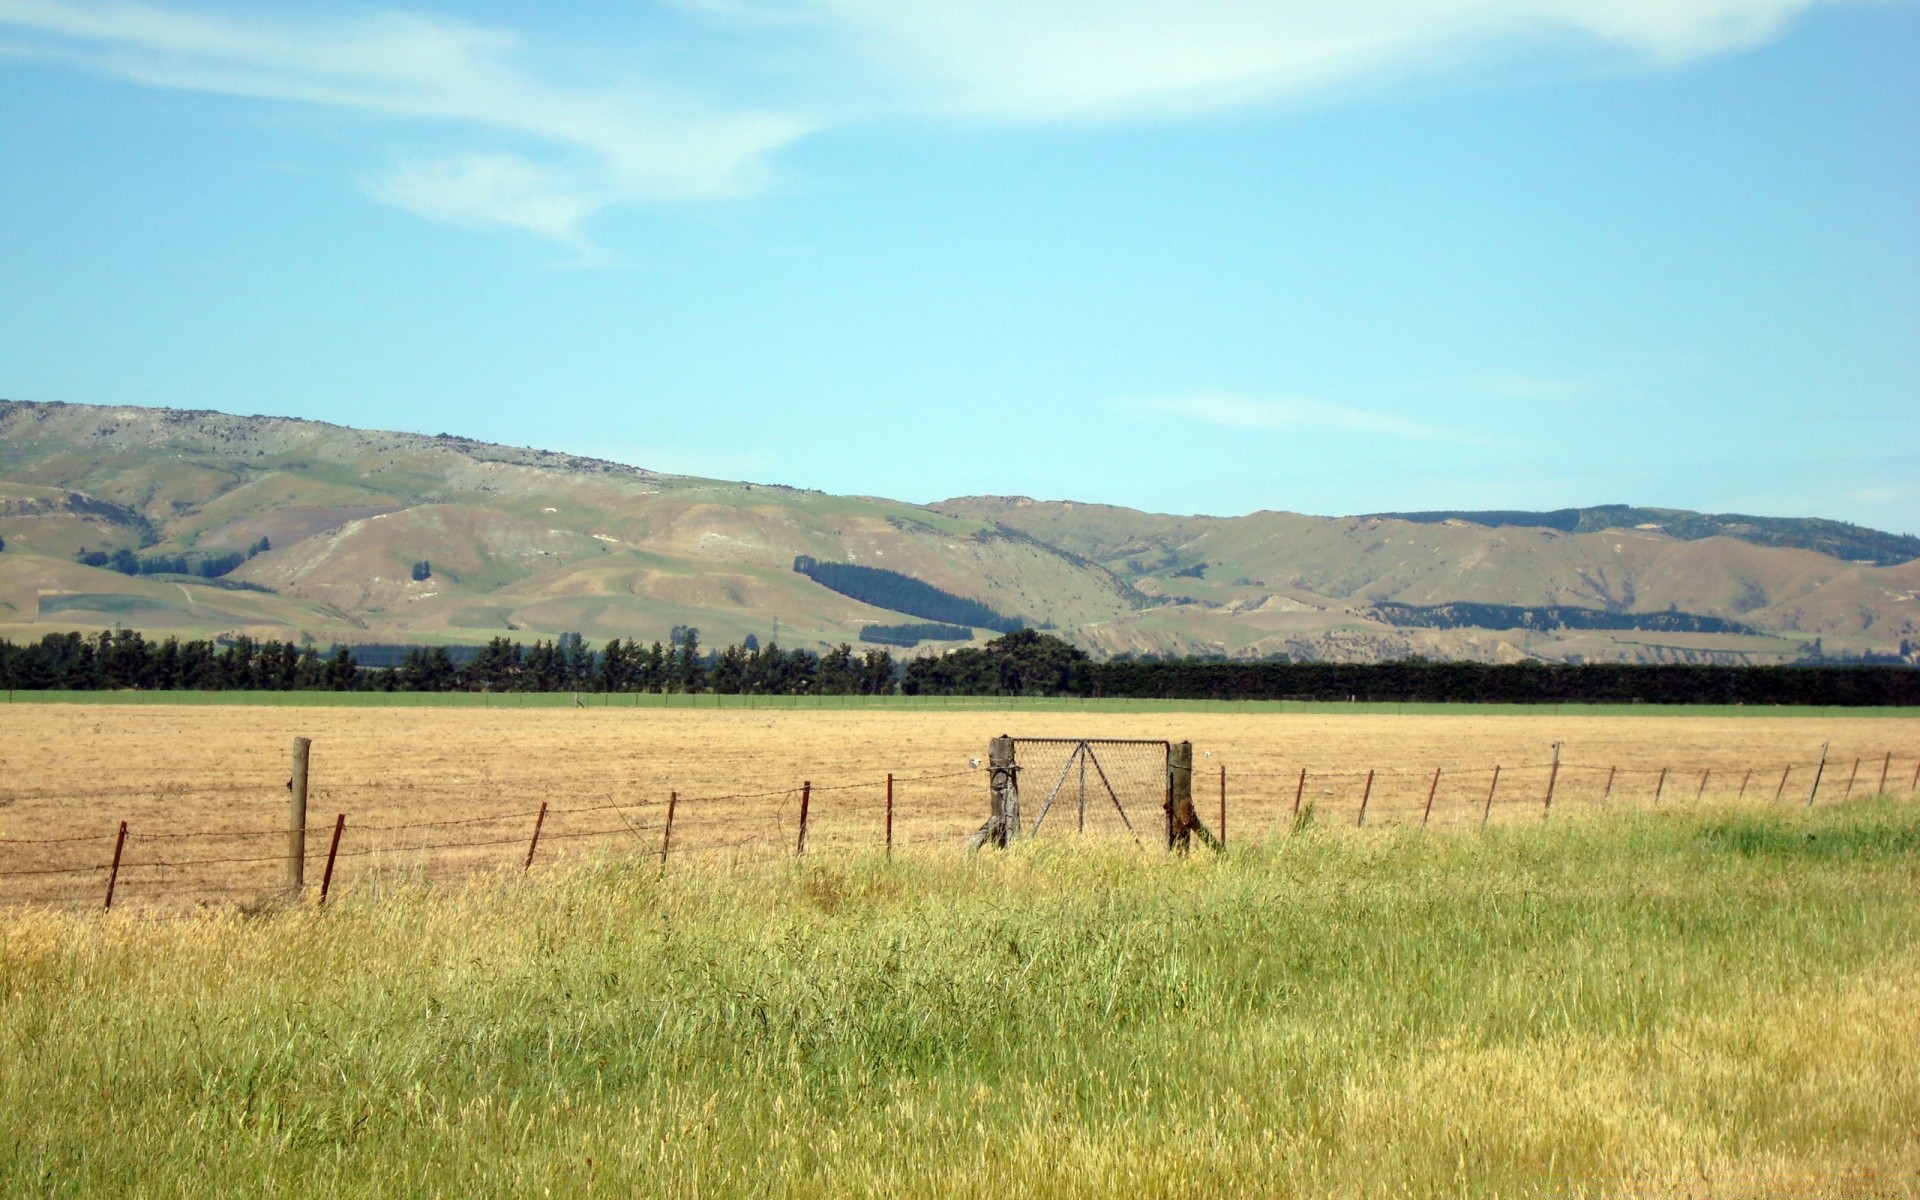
x: 544, y: 154
x: 576, y: 149
x: 1242, y: 412
x: 1093, y: 59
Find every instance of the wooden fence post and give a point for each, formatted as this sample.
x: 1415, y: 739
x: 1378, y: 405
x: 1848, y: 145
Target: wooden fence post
x: 1488, y: 812
x: 1223, y: 804
x: 1553, y: 777
x: 1915, y: 785
x: 1851, y: 776
x: 1608, y: 794
x: 1179, y: 795
x: 1431, y: 789
x: 113, y: 876
x: 1782, y: 789
x: 1364, y: 797
x: 666, y: 832
x: 297, y: 817
x: 1702, y: 789
x: 806, y: 801
x: 889, y: 814
x: 1744, y: 781
x: 1886, y: 765
x: 1299, y: 791
x: 333, y: 852
x: 1817, y: 773
x: 1660, y: 785
x: 534, y: 844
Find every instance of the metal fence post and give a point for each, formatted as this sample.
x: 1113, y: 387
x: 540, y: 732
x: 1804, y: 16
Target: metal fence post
x: 113, y: 876
x: 333, y: 852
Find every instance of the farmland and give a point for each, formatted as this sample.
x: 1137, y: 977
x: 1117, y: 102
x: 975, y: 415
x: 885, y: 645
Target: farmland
x: 441, y: 792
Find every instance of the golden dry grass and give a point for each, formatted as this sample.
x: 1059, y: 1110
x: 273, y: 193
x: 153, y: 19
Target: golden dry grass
x: 219, y: 775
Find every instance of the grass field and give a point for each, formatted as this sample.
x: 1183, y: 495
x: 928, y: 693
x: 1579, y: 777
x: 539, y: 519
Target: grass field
x: 1714, y: 1002
x: 441, y: 792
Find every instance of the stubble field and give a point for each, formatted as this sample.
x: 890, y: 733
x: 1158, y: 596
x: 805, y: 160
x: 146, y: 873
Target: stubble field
x: 442, y: 793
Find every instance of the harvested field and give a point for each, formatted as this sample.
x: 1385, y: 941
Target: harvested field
x: 441, y: 793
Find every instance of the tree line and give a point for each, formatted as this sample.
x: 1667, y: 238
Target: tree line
x: 1023, y: 663
x: 1029, y: 663
x: 206, y: 565
x: 126, y: 658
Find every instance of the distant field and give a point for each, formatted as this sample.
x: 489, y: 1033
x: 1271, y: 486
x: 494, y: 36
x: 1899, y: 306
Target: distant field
x: 439, y: 791
x: 1715, y: 1002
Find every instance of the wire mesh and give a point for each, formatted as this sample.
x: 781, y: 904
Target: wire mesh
x: 1093, y: 787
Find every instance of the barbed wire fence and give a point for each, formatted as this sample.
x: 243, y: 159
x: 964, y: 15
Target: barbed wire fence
x: 149, y: 865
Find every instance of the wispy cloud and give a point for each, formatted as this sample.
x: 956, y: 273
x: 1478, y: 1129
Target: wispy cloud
x: 1243, y: 412
x: 554, y: 152
x: 539, y: 151
x: 1101, y: 59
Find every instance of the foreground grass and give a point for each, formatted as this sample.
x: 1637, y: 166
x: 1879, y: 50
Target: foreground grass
x: 1703, y: 1004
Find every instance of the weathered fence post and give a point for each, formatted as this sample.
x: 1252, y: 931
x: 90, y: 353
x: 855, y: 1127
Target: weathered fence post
x: 1782, y: 789
x: 1299, y: 791
x: 1553, y: 777
x: 1660, y: 785
x: 806, y: 802
x: 1817, y: 773
x: 1431, y: 789
x: 889, y: 814
x: 1179, y: 794
x: 1488, y: 812
x: 1851, y: 776
x: 297, y: 817
x: 1365, y: 795
x: 1885, y: 766
x: 534, y: 844
x: 1744, y: 781
x: 1608, y: 794
x: 333, y: 852
x: 1223, y: 804
x: 1702, y: 789
x: 113, y: 876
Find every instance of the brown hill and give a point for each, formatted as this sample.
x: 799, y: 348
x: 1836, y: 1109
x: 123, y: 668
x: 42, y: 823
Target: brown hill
x: 537, y: 543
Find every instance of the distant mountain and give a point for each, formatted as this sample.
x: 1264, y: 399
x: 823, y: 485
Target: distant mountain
x: 336, y: 533
x: 1836, y: 538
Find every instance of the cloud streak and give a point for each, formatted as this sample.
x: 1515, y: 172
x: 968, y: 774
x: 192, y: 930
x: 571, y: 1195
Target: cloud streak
x: 543, y: 154
x: 1040, y: 60
x: 1242, y: 412
x: 555, y: 152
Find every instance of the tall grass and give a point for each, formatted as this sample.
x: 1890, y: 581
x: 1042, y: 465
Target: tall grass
x: 1712, y: 1003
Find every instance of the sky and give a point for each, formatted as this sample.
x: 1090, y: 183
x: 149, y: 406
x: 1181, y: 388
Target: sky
x: 1329, y: 256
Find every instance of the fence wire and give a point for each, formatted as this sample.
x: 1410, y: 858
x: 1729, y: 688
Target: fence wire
x: 1094, y: 788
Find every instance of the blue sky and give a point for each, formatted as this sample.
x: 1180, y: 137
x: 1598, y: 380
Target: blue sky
x: 1218, y: 255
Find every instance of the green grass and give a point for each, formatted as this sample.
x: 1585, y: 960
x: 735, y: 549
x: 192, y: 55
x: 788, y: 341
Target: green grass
x: 930, y: 704
x: 1714, y: 1003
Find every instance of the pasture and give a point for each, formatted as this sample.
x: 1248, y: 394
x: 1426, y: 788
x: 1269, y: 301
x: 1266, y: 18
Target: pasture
x: 442, y: 792
x: 1704, y: 993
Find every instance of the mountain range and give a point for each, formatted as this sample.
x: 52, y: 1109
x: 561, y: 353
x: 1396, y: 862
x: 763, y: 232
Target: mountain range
x: 204, y: 523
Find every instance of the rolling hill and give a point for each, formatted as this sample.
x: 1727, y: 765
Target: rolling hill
x: 379, y: 537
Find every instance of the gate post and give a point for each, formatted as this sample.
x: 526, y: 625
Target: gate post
x: 1180, y: 812
x: 1003, y: 804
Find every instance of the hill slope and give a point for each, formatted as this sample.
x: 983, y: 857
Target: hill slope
x: 535, y: 543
